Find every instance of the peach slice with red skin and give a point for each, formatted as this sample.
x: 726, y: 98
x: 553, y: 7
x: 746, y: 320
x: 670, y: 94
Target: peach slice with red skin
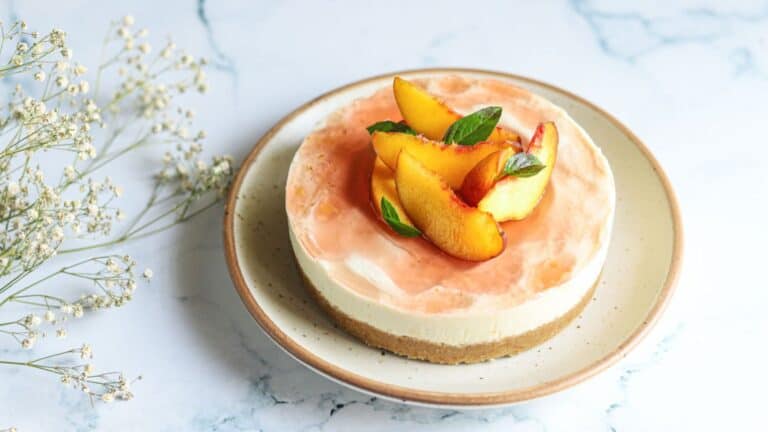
x: 452, y: 162
x: 483, y: 176
x: 430, y: 117
x: 456, y: 228
x: 512, y: 198
x: 383, y: 186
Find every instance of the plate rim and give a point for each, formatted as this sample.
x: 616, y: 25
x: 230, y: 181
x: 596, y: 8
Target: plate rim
x: 392, y: 391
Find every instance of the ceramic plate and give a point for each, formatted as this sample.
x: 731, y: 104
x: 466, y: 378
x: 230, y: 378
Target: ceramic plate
x: 637, y: 280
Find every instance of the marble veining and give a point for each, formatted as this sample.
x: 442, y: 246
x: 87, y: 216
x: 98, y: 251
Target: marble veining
x: 221, y: 60
x: 690, y: 78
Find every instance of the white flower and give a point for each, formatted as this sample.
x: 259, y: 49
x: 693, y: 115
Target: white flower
x: 49, y: 316
x: 17, y: 60
x: 12, y: 188
x: 112, y: 266
x: 66, y: 53
x: 39, y: 76
x: 88, y: 369
x: 86, y: 352
x: 28, y: 342
x: 84, y: 87
x: 61, y: 81
x: 145, y: 48
x: 108, y: 397
x: 77, y: 311
x: 128, y: 20
x: 61, y: 333
x: 147, y: 274
x: 32, y: 320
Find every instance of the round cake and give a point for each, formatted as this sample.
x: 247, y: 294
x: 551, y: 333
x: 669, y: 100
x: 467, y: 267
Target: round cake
x: 406, y: 295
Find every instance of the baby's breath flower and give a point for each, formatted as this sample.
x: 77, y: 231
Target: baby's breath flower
x: 43, y: 209
x: 12, y: 188
x: 79, y: 69
x: 86, y: 352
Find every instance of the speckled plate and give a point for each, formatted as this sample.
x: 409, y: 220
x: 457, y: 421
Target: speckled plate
x: 637, y: 280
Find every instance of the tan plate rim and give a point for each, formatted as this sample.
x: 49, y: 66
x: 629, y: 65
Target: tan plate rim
x: 432, y: 397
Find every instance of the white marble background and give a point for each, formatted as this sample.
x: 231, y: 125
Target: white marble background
x: 689, y: 77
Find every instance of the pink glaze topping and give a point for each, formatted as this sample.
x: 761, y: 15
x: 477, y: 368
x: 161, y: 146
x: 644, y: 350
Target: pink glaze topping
x: 329, y: 208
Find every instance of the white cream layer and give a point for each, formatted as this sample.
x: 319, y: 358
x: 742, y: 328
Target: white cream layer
x: 466, y: 327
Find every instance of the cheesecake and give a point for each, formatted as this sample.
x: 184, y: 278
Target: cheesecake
x: 468, y: 268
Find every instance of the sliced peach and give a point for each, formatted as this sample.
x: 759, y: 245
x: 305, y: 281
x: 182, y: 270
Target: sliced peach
x: 483, y: 176
x: 429, y: 116
x: 383, y: 186
x: 458, y: 229
x: 452, y: 162
x: 514, y: 198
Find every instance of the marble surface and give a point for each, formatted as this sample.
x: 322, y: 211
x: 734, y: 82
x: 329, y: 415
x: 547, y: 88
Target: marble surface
x: 689, y: 77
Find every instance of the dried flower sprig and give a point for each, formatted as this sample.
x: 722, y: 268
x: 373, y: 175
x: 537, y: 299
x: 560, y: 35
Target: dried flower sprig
x: 104, y: 386
x: 43, y: 216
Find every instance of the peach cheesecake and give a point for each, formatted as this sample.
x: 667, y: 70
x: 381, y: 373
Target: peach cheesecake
x: 450, y: 219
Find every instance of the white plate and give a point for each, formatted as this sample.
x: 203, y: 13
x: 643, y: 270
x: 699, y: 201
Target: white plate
x: 637, y: 280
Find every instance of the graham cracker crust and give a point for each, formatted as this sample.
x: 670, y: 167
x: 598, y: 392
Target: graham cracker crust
x: 418, y: 349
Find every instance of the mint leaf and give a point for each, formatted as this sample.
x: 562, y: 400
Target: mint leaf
x: 390, y: 126
x: 472, y: 129
x: 393, y: 220
x: 522, y: 165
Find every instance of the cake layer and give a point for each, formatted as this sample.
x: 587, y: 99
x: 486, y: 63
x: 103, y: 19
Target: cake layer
x: 408, y: 287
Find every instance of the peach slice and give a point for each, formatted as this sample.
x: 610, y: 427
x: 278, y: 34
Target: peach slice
x: 512, y: 198
x: 483, y: 176
x: 383, y: 186
x: 452, y: 162
x: 429, y: 116
x: 458, y: 229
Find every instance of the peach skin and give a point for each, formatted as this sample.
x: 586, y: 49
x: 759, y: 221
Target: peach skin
x: 383, y: 185
x: 456, y: 228
x: 510, y: 197
x: 431, y: 117
x: 452, y: 162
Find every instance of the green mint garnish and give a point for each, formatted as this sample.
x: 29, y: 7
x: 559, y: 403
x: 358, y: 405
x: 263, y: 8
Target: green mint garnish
x: 390, y: 126
x: 522, y: 165
x: 472, y: 129
x: 393, y: 220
